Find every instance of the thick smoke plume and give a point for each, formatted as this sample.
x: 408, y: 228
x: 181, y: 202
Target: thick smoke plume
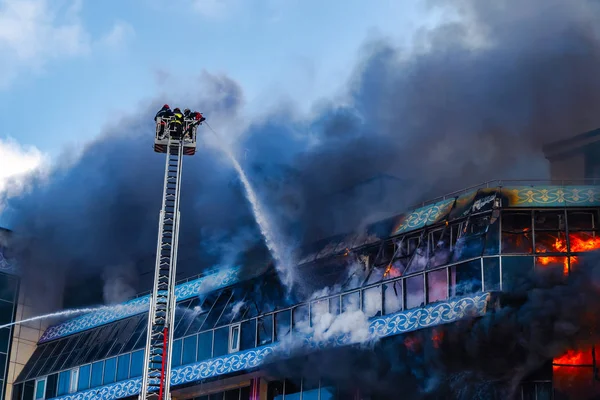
x: 471, y: 99
x: 543, y: 317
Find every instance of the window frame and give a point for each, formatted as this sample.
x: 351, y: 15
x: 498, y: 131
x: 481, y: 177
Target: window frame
x: 234, y: 347
x: 35, y: 391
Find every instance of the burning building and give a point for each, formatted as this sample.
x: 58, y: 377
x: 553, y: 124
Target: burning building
x: 437, y: 265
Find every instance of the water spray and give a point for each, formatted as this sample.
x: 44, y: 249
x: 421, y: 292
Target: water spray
x: 67, y: 313
x: 282, y: 263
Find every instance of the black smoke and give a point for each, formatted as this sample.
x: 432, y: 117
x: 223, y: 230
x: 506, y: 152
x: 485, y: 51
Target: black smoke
x: 541, y: 318
x: 472, y: 99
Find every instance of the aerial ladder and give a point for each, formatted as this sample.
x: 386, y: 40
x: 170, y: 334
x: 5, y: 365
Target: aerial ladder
x: 156, y: 377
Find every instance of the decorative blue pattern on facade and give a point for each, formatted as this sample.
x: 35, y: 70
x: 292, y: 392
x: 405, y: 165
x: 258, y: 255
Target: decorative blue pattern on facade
x: 388, y: 325
x: 139, y: 305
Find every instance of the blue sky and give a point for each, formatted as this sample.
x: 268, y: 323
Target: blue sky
x: 92, y: 59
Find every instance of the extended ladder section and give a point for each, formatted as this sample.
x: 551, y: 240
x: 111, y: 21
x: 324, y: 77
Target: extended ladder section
x: 157, y: 365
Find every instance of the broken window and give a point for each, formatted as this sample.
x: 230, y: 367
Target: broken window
x: 583, y: 231
x: 516, y: 232
x: 549, y: 229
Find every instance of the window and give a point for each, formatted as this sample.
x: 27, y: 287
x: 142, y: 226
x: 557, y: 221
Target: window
x: 516, y: 232
x: 176, y: 353
x: 190, y: 350
x: 74, y: 379
x: 415, y: 292
x: 97, y: 370
x: 550, y: 232
x: 40, y: 389
x: 283, y: 321
x: 392, y: 297
x: 234, y: 338
x: 205, y: 343
x: 437, y: 285
x: 110, y: 371
x: 265, y: 330
x: 221, y: 342
x: 137, y: 364
x: 64, y: 383
x: 491, y: 273
x: 300, y: 319
x: 514, y: 269
x: 248, y: 335
x: 351, y: 302
x: 84, y: 377
x: 371, y: 299
x: 465, y: 278
x: 123, y: 365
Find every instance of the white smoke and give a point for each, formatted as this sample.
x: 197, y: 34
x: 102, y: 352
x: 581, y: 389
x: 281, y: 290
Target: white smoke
x: 118, y: 283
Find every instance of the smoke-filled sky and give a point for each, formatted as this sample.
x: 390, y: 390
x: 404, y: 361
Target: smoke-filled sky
x: 469, y: 100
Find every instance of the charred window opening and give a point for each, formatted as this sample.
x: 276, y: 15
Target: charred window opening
x: 419, y: 256
x: 248, y: 335
x: 550, y: 235
x: 465, y: 278
x: 439, y: 245
x: 516, y: 232
x: 471, y: 239
x: 492, y: 238
x: 371, y: 301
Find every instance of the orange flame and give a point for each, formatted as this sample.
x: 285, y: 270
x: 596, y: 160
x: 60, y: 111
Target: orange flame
x: 572, y: 357
x: 578, y: 244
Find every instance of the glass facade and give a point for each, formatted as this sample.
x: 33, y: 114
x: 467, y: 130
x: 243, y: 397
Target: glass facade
x: 489, y: 251
x: 9, y: 285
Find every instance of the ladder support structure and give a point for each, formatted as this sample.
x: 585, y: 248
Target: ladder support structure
x: 156, y: 379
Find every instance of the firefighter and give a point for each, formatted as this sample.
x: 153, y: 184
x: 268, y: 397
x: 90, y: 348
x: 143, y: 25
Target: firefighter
x: 164, y: 112
x: 176, y: 127
x: 193, y: 119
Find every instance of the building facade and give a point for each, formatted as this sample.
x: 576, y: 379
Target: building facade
x: 437, y: 264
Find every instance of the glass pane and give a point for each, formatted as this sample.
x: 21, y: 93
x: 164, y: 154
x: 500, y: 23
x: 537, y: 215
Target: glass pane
x: 6, y: 312
x: 492, y: 238
x: 123, y: 366
x: 97, y: 370
x: 265, y: 330
x: 556, y: 263
x: 292, y: 390
x: 371, y: 299
x: 221, y: 345
x: 415, y: 292
x: 549, y: 220
x: 52, y: 385
x: 137, y: 364
x: 28, y: 390
x: 582, y: 220
x: 205, y: 343
x: 300, y: 320
x: 84, y: 377
x: 317, y: 310
x: 465, y: 278
x: 392, y: 297
x: 516, y: 232
x: 248, y: 339
x: 8, y: 287
x: 283, y: 322
x: 334, y: 305
x: 176, y: 353
x: 351, y: 302
x: 234, y: 339
x: 514, y: 269
x: 110, y: 370
x: 437, y: 285
x: 40, y: 389
x: 64, y: 380
x: 491, y: 274
x: 189, y: 350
